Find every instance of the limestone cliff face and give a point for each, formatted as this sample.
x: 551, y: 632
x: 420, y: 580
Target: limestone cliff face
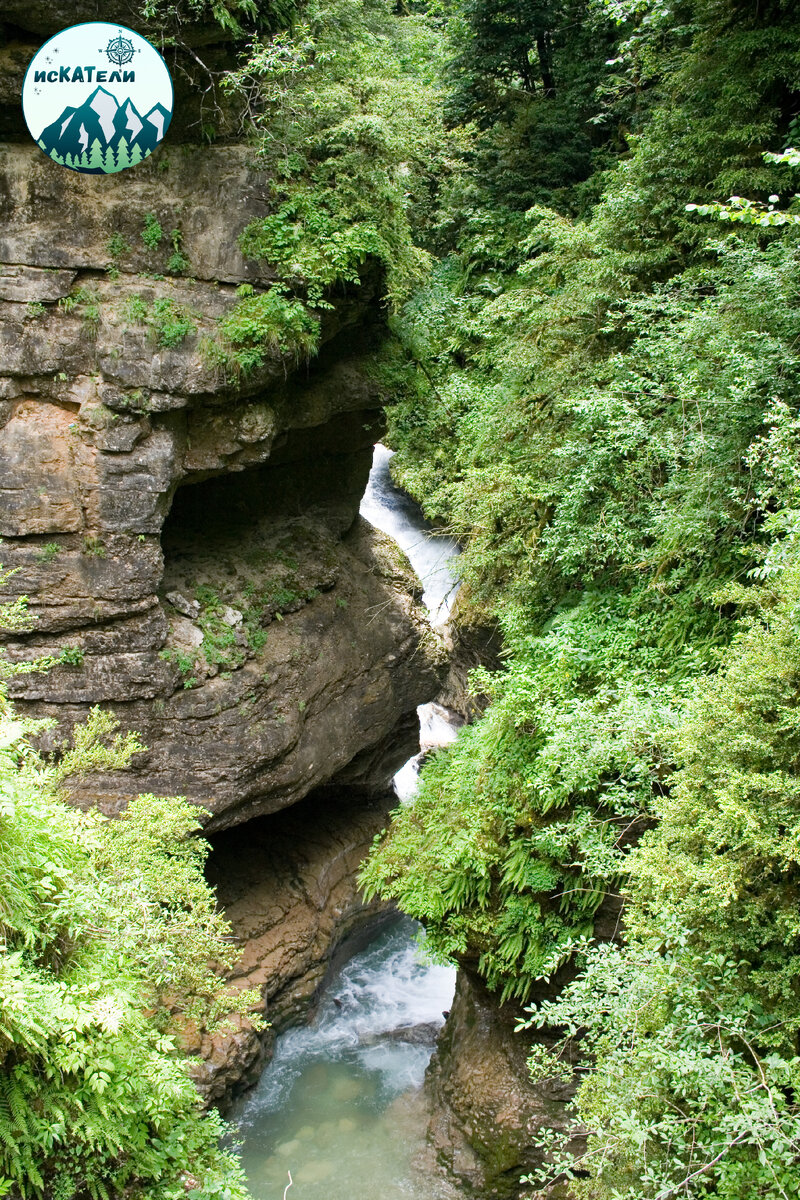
x: 192, y: 537
x: 486, y: 1112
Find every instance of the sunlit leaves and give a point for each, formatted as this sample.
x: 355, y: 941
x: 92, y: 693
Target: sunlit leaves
x: 107, y: 930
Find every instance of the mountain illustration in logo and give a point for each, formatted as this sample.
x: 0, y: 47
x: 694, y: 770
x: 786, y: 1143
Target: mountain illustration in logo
x: 102, y: 136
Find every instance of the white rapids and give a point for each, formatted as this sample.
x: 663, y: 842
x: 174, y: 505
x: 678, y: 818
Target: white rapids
x: 394, y: 512
x: 431, y: 554
x: 340, y: 1105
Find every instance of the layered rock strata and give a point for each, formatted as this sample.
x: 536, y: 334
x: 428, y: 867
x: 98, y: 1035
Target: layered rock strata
x: 187, y: 536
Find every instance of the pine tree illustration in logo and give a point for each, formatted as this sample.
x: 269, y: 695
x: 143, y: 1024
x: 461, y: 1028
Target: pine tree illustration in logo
x: 103, y: 136
x: 123, y: 155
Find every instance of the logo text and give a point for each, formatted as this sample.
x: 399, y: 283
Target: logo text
x: 84, y: 75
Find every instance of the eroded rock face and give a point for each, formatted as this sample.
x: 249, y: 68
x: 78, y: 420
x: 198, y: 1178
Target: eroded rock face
x: 135, y: 467
x: 53, y: 218
x: 239, y: 726
x: 486, y: 1111
x: 188, y: 536
x: 288, y: 886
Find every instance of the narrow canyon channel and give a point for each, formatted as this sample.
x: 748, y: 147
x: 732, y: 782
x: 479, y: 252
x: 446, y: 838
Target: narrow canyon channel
x: 340, y: 1105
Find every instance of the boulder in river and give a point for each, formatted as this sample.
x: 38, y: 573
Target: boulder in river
x: 423, y: 1034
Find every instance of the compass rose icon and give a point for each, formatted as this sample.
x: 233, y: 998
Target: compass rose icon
x: 120, y: 50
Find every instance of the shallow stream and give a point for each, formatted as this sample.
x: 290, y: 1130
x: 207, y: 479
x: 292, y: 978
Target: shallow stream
x: 340, y: 1105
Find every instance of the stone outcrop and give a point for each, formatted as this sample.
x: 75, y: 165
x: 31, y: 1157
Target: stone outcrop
x: 288, y: 886
x: 329, y: 685
x: 136, y: 468
x: 472, y: 644
x: 486, y: 1111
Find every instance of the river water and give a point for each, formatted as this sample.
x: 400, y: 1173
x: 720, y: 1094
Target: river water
x: 339, y: 1107
x: 430, y: 554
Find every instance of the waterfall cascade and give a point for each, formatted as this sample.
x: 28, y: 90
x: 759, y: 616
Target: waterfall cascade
x: 339, y: 1105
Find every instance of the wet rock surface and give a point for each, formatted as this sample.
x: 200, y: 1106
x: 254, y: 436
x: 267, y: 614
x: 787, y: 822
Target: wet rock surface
x: 247, y: 717
x: 288, y: 885
x: 423, y: 1034
x: 486, y: 1111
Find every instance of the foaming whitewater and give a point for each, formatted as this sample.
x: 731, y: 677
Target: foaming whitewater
x: 394, y: 512
x: 438, y: 727
x: 338, y: 1106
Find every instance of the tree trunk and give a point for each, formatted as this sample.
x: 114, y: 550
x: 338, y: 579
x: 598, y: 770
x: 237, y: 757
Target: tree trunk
x: 545, y: 63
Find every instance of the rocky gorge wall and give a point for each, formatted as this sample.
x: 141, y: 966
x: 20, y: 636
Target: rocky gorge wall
x: 485, y: 1111
x: 288, y: 884
x: 189, y: 543
x: 487, y: 1114
x: 187, y: 535
x: 306, y: 649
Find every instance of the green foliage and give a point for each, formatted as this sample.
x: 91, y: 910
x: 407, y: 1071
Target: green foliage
x: 185, y: 663
x: 693, y: 1025
x: 83, y: 301
x: 48, y: 552
x: 727, y: 842
x: 169, y: 322
x: 219, y: 645
x: 177, y: 261
x: 14, y: 615
x: 681, y: 1099
x: 263, y: 325
x: 601, y: 502
x: 228, y: 14
x: 262, y: 603
x: 527, y: 73
x: 136, y: 309
x: 557, y: 456
x: 116, y: 246
x: 602, y: 409
x: 152, y: 232
x: 518, y: 831
x: 597, y: 391
x: 351, y: 129
x: 108, y: 933
x: 71, y: 656
x: 107, y: 930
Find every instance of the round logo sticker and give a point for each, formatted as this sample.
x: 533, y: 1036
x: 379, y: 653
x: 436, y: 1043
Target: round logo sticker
x: 97, y: 98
